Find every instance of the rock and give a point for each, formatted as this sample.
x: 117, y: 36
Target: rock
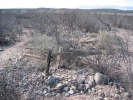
x: 115, y: 86
x: 50, y: 80
x: 117, y: 96
x: 58, y: 95
x: 54, y: 93
x: 112, y: 95
x: 99, y: 98
x: 100, y: 79
x: 39, y: 92
x: 122, y: 90
x: 87, y: 86
x: 81, y: 81
x: 127, y: 94
x: 110, y: 83
x: 48, y: 95
x: 116, y: 91
x: 82, y: 92
x: 91, y: 78
x: 94, y: 91
x: 59, y: 78
x: 102, y: 94
x: 69, y: 80
x: 73, y: 88
x: 71, y: 92
x: 91, y: 83
x: 107, y: 94
x: 106, y: 98
x: 48, y: 89
x: 66, y: 89
x: 45, y: 91
x: 81, y: 87
x: 77, y: 96
x: 119, y: 84
x: 67, y: 95
x: 59, y: 86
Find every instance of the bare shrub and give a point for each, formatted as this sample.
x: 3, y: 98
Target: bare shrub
x: 41, y: 43
x: 109, y: 41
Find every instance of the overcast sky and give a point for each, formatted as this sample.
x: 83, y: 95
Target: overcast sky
x: 61, y: 3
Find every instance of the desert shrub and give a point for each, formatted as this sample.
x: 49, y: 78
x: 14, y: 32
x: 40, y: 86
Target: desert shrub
x: 114, y: 58
x: 10, y: 27
x: 42, y: 43
x: 109, y: 42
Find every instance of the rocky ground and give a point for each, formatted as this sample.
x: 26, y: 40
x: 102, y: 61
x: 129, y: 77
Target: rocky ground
x: 21, y: 79
x: 25, y: 82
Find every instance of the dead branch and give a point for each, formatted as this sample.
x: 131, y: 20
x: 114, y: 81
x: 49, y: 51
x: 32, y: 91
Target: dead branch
x: 39, y: 57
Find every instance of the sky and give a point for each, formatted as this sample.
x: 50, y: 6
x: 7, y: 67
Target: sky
x: 61, y: 3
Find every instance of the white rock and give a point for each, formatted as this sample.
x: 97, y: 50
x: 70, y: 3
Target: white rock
x: 71, y: 92
x: 100, y: 79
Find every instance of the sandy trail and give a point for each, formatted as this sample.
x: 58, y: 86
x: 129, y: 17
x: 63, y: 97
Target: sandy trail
x: 13, y: 52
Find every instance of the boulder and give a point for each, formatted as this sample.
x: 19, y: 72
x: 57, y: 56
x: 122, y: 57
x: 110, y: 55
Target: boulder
x: 50, y: 80
x: 101, y: 79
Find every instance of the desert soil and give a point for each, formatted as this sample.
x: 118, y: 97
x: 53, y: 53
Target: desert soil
x: 15, y: 51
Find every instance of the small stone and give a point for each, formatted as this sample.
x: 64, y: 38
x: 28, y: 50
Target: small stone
x: 99, y: 98
x: 106, y: 98
x: 69, y: 80
x: 91, y: 83
x: 39, y: 92
x: 48, y: 95
x: 94, y: 91
x: 82, y: 92
x: 73, y: 88
x: 127, y: 94
x: 45, y: 91
x: 107, y: 94
x: 81, y: 87
x: 54, y: 93
x: 20, y: 84
x: 112, y: 95
x: 71, y: 92
x: 66, y: 89
x: 110, y: 83
x: 117, y: 96
x: 119, y: 84
x: 81, y: 81
x: 50, y: 80
x: 87, y: 86
x: 115, y: 86
x: 91, y: 79
x: 117, y: 91
x: 122, y: 90
x: 67, y: 95
x: 77, y: 96
x: 59, y: 86
x: 58, y: 95
x: 30, y: 88
x: 102, y: 94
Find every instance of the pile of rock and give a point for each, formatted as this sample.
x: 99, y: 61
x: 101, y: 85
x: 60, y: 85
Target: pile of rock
x: 65, y: 83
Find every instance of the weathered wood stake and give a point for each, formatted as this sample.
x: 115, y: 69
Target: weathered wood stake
x: 48, y: 62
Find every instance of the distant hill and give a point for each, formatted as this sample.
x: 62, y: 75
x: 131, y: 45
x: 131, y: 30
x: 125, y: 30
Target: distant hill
x: 107, y: 7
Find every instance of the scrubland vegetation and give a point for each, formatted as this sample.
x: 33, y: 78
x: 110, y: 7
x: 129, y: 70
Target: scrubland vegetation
x: 99, y: 40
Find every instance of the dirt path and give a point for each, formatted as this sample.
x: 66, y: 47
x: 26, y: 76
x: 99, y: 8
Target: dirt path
x: 13, y: 52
